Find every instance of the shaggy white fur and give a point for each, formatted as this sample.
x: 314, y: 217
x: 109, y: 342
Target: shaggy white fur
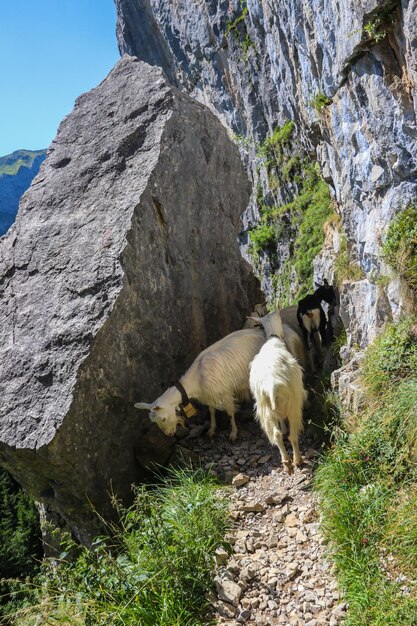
x: 276, y: 383
x: 219, y: 378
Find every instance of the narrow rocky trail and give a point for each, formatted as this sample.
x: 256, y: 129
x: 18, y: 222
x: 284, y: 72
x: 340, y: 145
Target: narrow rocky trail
x: 277, y: 572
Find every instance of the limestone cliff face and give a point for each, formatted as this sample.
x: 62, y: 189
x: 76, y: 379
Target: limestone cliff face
x: 259, y: 63
x: 122, y: 265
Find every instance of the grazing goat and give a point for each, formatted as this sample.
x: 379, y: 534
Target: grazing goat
x: 276, y: 383
x: 310, y: 314
x: 219, y: 378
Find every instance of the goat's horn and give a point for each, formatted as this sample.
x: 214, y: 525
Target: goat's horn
x: 143, y: 405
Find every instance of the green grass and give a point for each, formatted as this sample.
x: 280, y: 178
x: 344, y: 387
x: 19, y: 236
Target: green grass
x: 307, y: 214
x: 367, y: 485
x: 315, y: 204
x: 20, y: 534
x: 11, y: 163
x: 298, y: 223
x: 392, y: 357
x: 272, y: 149
x: 262, y: 237
x: 344, y: 268
x: 157, y: 570
x: 400, y: 247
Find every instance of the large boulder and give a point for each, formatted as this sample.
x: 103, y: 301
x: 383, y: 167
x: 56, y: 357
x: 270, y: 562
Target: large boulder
x: 122, y: 265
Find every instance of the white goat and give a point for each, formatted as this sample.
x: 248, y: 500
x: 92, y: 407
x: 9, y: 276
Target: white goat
x: 276, y: 383
x: 219, y: 378
x: 292, y: 339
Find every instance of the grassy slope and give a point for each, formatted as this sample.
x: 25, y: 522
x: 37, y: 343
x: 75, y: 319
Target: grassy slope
x: 11, y: 163
x: 367, y: 486
x: 157, y: 571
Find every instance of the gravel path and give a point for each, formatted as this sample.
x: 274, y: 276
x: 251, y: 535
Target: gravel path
x: 277, y: 573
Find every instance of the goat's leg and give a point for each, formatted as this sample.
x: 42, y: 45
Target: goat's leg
x: 233, y: 431
x: 304, y: 331
x: 322, y: 328
x: 212, y: 428
x: 279, y: 441
x: 293, y: 437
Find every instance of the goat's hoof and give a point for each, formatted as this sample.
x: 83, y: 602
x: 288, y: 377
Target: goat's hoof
x: 288, y: 466
x: 211, y: 433
x: 299, y: 462
x: 233, y: 438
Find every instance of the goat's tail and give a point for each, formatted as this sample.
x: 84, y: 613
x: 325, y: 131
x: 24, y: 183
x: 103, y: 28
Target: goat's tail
x: 265, y: 415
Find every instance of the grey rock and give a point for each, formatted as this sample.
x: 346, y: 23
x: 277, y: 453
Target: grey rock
x: 196, y: 431
x: 221, y: 556
x: 252, y: 507
x: 291, y: 570
x: 225, y: 609
x: 121, y: 266
x: 228, y: 591
x: 240, y: 479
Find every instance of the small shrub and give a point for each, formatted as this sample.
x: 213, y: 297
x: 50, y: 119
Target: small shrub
x: 400, y: 248
x: 376, y: 28
x: 263, y: 238
x: 247, y: 43
x: 320, y: 101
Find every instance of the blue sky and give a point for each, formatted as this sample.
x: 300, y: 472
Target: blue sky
x: 51, y: 51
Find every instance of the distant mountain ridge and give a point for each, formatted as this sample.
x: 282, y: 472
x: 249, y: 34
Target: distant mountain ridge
x: 17, y: 170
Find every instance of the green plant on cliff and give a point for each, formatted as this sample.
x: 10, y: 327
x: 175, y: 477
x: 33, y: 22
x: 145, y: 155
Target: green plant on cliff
x: 237, y: 27
x: 315, y: 204
x: 272, y: 149
x: 263, y: 238
x: 307, y: 213
x: 344, y: 268
x: 232, y: 25
x: 367, y: 485
x: 376, y: 27
x: 320, y: 101
x: 400, y: 248
x: 156, y: 571
x: 299, y: 223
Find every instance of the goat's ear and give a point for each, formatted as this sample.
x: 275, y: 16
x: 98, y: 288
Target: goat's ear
x: 325, y: 283
x: 254, y: 319
x: 144, y: 405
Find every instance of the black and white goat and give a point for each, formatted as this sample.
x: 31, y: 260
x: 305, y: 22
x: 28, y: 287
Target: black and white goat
x: 310, y: 314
